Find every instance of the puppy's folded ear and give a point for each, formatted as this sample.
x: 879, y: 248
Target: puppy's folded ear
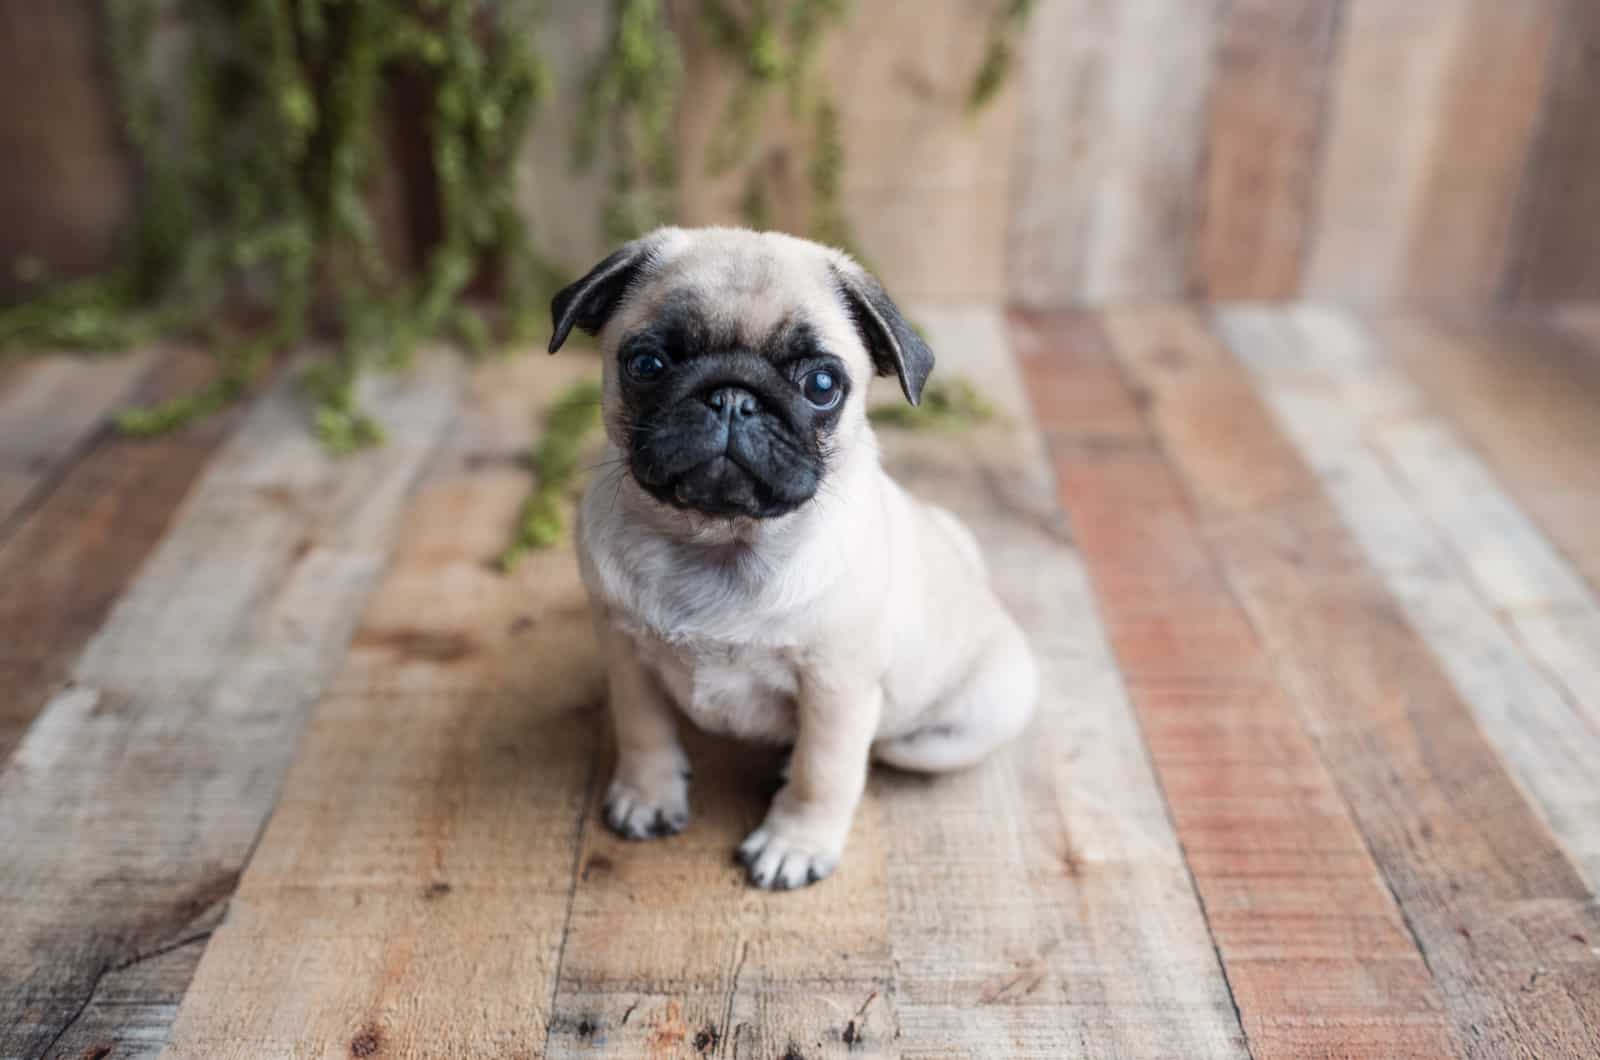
x: 894, y: 344
x: 590, y: 302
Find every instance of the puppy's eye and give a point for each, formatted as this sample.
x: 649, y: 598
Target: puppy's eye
x: 821, y: 388
x: 645, y: 366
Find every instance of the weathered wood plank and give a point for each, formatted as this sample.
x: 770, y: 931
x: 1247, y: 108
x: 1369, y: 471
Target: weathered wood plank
x: 69, y: 557
x: 1263, y: 144
x: 1291, y: 894
x: 1501, y: 916
x: 1041, y: 906
x: 49, y: 409
x: 1559, y: 223
x: 1435, y: 108
x: 161, y: 757
x: 1411, y: 496
x: 1524, y: 395
x: 670, y: 953
x: 1112, y: 132
x: 409, y: 896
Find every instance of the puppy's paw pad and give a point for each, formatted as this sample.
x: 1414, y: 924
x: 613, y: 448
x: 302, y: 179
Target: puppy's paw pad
x: 778, y: 864
x: 633, y: 814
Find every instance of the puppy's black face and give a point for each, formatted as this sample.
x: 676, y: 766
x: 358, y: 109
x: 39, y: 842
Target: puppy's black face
x: 721, y: 425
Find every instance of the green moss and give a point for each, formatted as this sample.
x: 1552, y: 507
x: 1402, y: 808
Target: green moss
x: 953, y: 406
x: 542, y: 521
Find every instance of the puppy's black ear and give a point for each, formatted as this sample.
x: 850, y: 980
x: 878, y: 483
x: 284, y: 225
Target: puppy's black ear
x: 895, y: 346
x: 590, y: 302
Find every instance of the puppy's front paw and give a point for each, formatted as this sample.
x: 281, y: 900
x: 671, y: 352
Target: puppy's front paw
x: 648, y: 799
x: 790, y: 851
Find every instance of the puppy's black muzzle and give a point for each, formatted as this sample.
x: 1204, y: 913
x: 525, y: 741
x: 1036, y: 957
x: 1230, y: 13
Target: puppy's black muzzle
x: 726, y: 446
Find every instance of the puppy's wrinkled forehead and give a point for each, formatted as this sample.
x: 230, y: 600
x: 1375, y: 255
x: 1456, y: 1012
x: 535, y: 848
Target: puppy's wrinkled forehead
x: 768, y: 296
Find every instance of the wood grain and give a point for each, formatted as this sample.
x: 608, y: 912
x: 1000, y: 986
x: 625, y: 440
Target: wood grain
x: 50, y: 408
x: 1291, y: 894
x: 161, y: 756
x: 1476, y: 580
x: 68, y: 186
x: 1113, y: 130
x: 1434, y: 111
x: 1041, y: 903
x: 1524, y: 395
x: 1501, y: 916
x: 1264, y: 138
x: 68, y: 558
x: 409, y: 896
x: 670, y: 953
x: 1559, y: 223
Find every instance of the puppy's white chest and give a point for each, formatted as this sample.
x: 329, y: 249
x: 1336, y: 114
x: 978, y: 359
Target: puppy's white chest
x: 739, y: 690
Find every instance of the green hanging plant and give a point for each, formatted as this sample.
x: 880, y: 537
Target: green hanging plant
x: 256, y: 178
x: 262, y: 199
x: 633, y: 95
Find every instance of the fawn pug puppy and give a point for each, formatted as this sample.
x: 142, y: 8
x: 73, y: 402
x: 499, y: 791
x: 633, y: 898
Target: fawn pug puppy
x: 749, y: 562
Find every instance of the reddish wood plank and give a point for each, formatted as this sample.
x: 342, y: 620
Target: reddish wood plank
x: 1291, y: 894
x: 1525, y: 395
x: 62, y: 567
x: 1508, y: 929
x: 1259, y: 169
x: 1559, y: 225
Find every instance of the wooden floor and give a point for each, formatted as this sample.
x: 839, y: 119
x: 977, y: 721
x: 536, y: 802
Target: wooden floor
x: 287, y: 770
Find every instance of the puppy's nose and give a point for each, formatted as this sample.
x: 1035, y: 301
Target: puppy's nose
x: 732, y: 401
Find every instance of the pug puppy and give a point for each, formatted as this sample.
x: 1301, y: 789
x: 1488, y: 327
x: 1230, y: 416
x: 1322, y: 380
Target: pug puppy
x: 750, y: 564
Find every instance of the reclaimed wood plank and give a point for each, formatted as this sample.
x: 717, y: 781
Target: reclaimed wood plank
x: 1291, y: 894
x: 1435, y: 108
x: 1559, y: 223
x: 1501, y: 915
x: 409, y: 895
x: 1265, y: 128
x: 70, y: 556
x: 50, y: 408
x: 1112, y: 132
x: 1042, y: 907
x: 1524, y: 395
x: 1478, y: 582
x: 161, y: 756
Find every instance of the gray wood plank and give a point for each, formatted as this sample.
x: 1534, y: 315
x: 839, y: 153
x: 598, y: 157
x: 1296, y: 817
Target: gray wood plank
x: 134, y: 800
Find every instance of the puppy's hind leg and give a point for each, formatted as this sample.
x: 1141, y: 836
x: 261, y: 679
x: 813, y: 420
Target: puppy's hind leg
x: 988, y: 709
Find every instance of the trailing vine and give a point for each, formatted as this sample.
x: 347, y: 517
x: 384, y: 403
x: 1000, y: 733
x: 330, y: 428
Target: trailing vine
x: 261, y: 202
x: 633, y: 94
x: 255, y: 224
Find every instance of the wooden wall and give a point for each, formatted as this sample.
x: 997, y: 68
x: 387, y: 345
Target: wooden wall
x: 65, y: 187
x: 1360, y: 151
x: 1340, y: 150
